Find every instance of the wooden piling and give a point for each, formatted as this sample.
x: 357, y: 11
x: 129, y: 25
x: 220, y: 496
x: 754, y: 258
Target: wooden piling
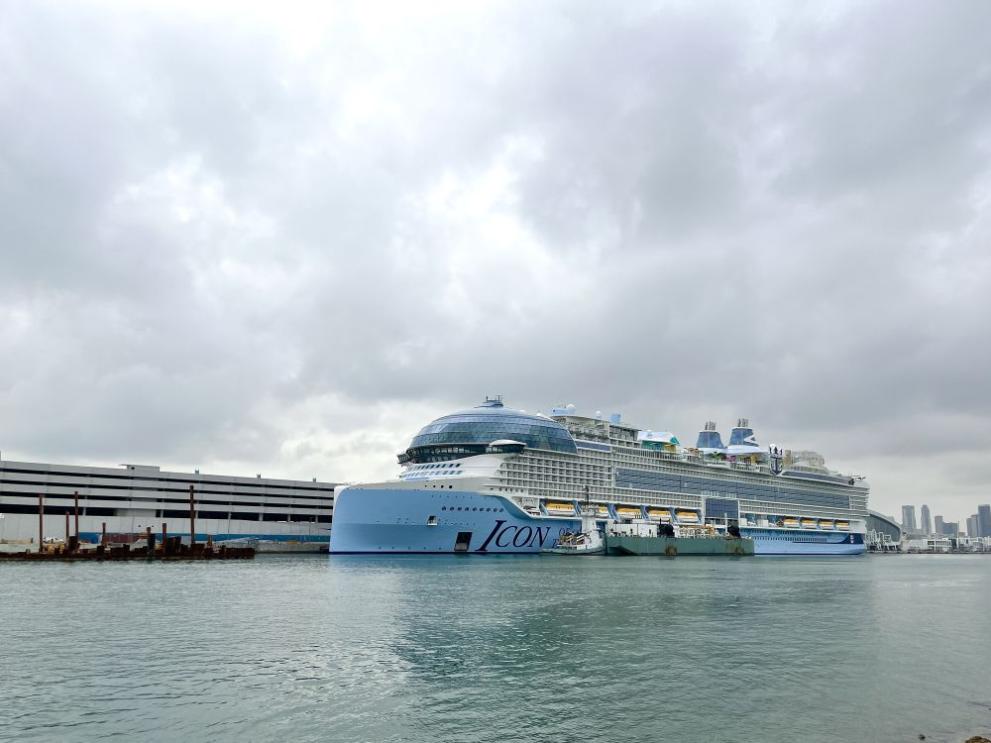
x: 103, y: 533
x: 67, y: 530
x: 165, y: 539
x: 41, y: 522
x: 76, y: 508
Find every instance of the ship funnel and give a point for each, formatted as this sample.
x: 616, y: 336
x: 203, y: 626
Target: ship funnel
x: 743, y: 442
x: 709, y: 440
x: 743, y: 434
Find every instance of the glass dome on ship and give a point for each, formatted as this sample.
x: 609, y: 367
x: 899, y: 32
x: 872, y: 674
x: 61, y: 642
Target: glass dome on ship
x: 490, y: 427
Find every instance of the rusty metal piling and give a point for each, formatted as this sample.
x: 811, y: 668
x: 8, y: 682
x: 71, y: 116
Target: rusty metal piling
x: 192, y: 521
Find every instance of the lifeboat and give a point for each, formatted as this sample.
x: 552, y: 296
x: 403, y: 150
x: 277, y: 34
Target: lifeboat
x: 628, y: 512
x: 825, y: 524
x: 844, y: 525
x: 659, y: 514
x: 597, y: 509
x: 559, y: 507
x: 789, y: 523
x: 808, y: 523
x: 688, y: 517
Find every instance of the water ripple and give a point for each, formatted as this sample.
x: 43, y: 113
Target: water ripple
x: 455, y: 649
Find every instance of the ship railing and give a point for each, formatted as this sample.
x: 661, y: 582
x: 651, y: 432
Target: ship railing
x: 747, y: 467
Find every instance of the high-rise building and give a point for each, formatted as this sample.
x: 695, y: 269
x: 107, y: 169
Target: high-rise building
x: 951, y: 528
x: 926, y: 521
x: 908, y: 518
x: 938, y: 528
x: 984, y: 520
x: 973, y: 526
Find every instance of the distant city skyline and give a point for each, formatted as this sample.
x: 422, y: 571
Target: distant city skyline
x: 979, y: 522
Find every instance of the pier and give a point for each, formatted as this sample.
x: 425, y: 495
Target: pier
x: 118, y: 553
x: 142, y: 546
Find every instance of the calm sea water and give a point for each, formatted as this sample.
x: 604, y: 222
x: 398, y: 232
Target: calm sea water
x: 498, y: 649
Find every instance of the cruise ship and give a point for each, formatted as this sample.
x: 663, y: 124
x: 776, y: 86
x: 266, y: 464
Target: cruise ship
x: 491, y: 479
x: 281, y: 515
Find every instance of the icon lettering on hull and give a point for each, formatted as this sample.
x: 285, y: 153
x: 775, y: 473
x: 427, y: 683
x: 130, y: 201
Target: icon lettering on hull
x: 515, y: 536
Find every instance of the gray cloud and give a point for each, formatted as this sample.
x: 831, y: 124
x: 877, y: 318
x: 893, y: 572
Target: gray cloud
x: 265, y: 241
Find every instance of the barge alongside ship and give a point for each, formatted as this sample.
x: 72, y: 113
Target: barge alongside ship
x: 652, y: 539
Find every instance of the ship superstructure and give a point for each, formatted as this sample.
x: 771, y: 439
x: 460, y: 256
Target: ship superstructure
x: 493, y: 479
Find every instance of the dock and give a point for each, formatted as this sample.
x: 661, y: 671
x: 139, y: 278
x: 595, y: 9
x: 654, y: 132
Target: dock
x: 146, y: 545
x: 123, y: 552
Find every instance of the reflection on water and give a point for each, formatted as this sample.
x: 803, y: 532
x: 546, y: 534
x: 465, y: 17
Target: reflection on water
x: 490, y: 649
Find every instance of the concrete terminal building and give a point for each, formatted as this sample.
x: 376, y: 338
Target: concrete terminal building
x: 130, y: 498
x: 883, y: 533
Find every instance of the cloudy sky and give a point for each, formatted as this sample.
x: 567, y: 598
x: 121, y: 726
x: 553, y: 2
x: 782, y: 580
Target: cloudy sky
x: 278, y: 239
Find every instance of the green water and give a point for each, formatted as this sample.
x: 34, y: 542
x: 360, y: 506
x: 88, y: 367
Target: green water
x: 498, y: 649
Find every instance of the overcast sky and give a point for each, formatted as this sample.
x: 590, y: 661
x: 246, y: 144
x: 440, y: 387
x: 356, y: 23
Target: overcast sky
x: 281, y: 239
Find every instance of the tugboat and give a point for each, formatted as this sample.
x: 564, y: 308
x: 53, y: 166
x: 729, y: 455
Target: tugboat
x: 588, y: 541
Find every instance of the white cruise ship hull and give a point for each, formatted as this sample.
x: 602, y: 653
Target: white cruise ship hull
x: 805, y: 542
x: 379, y: 519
